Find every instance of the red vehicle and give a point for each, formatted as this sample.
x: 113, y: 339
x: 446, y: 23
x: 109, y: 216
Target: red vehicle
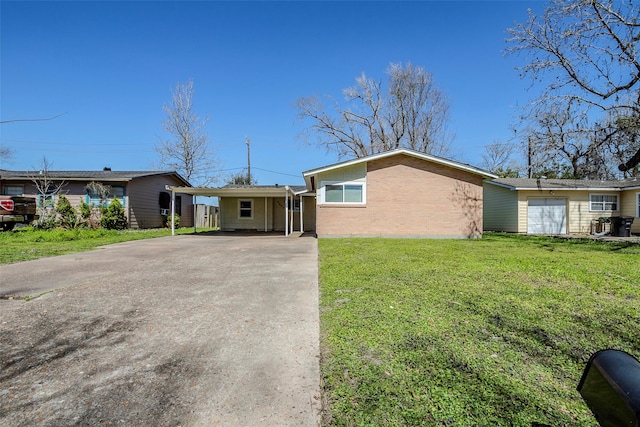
x: 16, y: 210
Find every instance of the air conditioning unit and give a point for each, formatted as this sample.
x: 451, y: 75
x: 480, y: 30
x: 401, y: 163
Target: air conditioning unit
x: 164, y: 212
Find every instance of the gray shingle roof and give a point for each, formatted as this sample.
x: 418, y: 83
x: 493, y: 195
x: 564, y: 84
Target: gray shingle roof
x: 565, y: 184
x: 103, y: 175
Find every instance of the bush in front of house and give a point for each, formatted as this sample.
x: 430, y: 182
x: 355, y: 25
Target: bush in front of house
x: 168, y: 222
x: 113, y: 217
x: 67, y: 216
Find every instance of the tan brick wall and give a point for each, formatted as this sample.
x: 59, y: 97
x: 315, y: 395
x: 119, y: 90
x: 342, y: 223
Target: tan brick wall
x: 406, y: 196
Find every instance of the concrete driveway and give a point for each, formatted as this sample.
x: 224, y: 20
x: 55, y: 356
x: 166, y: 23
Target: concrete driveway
x: 200, y: 330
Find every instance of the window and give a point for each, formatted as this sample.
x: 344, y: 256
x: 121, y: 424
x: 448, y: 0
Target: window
x: 13, y: 190
x: 245, y: 209
x: 344, y: 193
x: 46, y: 200
x: 294, y: 204
x: 97, y: 199
x: 603, y: 202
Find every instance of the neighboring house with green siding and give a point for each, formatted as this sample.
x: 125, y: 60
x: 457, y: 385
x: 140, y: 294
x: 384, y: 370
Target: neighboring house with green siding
x: 143, y: 194
x: 558, y: 206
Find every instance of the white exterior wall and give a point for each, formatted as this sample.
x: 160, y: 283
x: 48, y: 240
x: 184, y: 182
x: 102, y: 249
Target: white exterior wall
x: 350, y: 173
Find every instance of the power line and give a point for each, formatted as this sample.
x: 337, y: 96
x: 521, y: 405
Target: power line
x: 279, y: 173
x: 32, y: 120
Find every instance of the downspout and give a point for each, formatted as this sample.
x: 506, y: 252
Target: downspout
x: 266, y: 215
x: 173, y: 212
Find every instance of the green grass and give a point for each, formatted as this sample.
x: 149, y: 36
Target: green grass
x: 486, y: 332
x: 27, y: 244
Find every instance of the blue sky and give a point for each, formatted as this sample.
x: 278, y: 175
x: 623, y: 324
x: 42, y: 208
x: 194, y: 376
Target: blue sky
x: 111, y: 66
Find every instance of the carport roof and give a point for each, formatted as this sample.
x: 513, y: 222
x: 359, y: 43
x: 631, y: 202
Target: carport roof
x: 241, y: 190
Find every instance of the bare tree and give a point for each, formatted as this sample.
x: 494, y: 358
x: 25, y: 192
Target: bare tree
x: 241, y: 178
x: 625, y: 144
x: 586, y: 54
x: 498, y: 158
x: 188, y: 149
x: 47, y: 189
x: 6, y: 154
x: 410, y: 112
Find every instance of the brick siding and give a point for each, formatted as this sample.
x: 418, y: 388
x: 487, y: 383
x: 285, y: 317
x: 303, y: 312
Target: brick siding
x: 406, y: 196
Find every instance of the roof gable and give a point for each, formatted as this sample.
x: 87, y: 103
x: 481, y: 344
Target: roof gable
x: 401, y: 151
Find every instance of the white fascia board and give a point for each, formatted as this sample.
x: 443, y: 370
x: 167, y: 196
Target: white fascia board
x: 594, y: 189
x: 499, y: 184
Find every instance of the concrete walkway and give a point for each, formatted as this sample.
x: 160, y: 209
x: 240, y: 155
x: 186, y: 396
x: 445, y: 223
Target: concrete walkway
x: 188, y: 330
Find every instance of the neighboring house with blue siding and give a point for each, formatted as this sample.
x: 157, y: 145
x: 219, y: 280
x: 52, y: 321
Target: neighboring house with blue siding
x: 143, y: 194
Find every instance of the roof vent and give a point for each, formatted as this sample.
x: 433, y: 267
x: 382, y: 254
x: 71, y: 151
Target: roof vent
x: 106, y: 169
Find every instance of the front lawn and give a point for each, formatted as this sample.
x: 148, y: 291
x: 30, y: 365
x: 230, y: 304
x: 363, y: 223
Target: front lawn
x: 27, y: 244
x: 487, y: 332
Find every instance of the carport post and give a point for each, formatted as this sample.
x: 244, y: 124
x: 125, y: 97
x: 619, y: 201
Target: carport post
x: 301, y: 219
x: 194, y: 202
x: 286, y: 210
x: 173, y: 212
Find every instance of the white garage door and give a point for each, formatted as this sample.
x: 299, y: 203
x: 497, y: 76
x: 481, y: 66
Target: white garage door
x: 547, y: 216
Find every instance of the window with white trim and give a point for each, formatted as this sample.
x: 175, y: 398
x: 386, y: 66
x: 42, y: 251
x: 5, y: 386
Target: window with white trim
x: 344, y: 192
x: 603, y: 202
x: 245, y: 209
x: 13, y: 190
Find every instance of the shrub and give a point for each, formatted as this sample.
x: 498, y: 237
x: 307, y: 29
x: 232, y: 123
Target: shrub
x: 85, y: 210
x: 168, y: 222
x: 113, y: 217
x: 66, y: 214
x: 46, y: 222
x: 90, y: 214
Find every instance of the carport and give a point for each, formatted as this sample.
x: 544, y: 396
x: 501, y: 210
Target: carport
x: 256, y: 207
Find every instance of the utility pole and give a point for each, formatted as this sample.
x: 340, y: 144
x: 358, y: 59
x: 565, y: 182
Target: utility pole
x: 529, y: 155
x: 248, y: 160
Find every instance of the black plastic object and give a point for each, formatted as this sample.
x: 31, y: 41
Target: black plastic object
x: 610, y: 385
x: 621, y: 226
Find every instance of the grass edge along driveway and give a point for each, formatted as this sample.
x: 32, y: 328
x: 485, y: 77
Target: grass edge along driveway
x: 26, y: 244
x: 493, y: 331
